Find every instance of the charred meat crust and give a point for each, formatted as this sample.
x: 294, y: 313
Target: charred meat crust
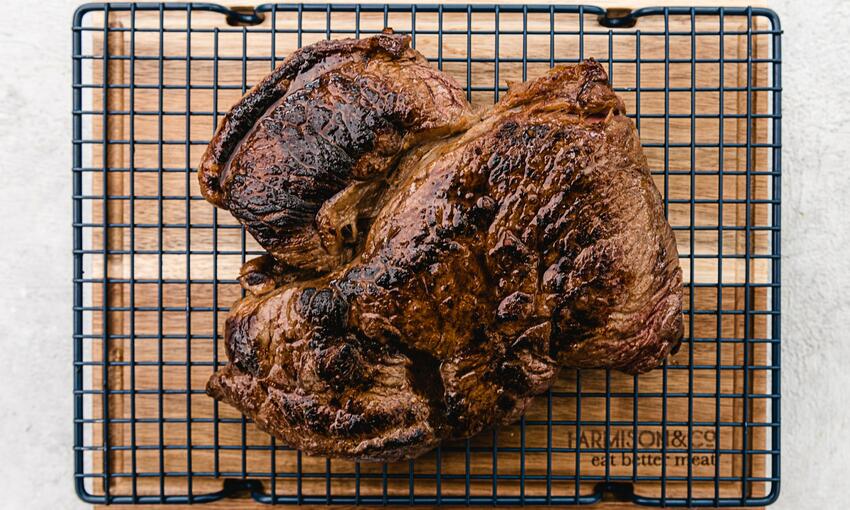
x: 331, y: 115
x: 527, y: 241
x: 245, y: 113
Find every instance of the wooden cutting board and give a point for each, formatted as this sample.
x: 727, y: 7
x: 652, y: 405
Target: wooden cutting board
x: 190, y: 275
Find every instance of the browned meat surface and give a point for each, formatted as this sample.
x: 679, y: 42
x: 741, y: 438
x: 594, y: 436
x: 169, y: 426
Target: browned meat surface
x: 533, y: 238
x: 335, y: 114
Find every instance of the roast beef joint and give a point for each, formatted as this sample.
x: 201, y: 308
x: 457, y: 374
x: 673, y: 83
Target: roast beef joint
x: 430, y: 268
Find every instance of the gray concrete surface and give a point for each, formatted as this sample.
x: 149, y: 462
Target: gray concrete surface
x: 35, y: 264
x: 816, y: 254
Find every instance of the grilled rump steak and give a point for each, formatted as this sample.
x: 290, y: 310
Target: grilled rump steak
x: 430, y: 271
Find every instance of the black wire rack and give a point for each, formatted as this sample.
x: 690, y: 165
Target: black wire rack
x: 155, y: 265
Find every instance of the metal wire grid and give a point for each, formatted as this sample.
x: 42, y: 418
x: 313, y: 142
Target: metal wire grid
x: 93, y: 344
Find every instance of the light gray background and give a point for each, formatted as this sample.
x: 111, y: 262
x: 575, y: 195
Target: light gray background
x: 35, y: 255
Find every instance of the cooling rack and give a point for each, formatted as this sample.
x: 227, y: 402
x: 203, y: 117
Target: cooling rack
x: 155, y: 265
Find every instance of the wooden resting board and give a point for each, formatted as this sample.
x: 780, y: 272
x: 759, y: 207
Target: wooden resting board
x: 202, y: 325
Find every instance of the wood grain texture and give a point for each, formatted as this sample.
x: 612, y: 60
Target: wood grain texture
x: 170, y: 373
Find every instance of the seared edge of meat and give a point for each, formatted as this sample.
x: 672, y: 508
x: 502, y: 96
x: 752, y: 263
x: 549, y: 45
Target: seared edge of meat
x: 302, y: 158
